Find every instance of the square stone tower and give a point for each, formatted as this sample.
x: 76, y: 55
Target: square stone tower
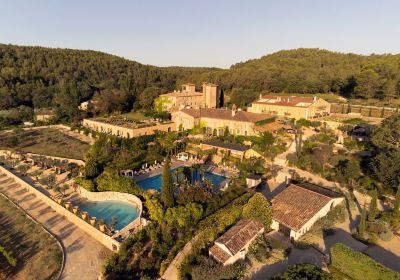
x: 188, y: 88
x: 210, y: 95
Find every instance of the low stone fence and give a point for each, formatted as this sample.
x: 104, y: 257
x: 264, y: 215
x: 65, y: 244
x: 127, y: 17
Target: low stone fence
x: 129, y: 198
x: 77, y: 161
x: 15, y: 155
x: 104, y: 239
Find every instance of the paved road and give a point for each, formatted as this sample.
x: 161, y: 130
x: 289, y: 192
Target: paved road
x: 84, y: 255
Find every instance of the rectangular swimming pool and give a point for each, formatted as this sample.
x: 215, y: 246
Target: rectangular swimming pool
x: 155, y: 182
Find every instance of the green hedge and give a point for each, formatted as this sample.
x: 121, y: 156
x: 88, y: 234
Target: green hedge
x: 10, y: 259
x: 266, y: 121
x: 357, y: 265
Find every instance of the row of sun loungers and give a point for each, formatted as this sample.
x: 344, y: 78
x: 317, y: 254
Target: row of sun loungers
x: 148, y: 169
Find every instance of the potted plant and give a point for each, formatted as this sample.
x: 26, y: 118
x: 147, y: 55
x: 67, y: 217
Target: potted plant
x: 84, y: 215
x: 75, y: 210
x: 93, y: 221
x: 60, y: 200
x: 102, y: 225
x: 67, y: 205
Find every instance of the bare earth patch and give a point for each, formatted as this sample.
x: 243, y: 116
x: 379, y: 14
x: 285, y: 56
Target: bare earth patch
x: 46, y: 141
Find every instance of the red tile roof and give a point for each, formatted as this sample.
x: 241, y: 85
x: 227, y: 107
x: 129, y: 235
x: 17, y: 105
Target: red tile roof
x: 292, y: 101
x: 238, y: 236
x: 182, y: 94
x: 271, y: 127
x: 219, y: 254
x: 228, y: 146
x: 296, y: 205
x: 240, y: 116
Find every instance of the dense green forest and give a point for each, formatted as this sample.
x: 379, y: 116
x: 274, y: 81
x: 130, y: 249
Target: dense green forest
x: 311, y: 71
x: 37, y: 77
x: 62, y: 78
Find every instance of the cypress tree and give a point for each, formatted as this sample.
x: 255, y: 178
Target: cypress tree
x: 373, y: 210
x: 361, y: 226
x: 167, y: 191
x: 396, y: 208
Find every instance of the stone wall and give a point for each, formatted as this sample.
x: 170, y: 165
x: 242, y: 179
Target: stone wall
x: 104, y: 239
x: 127, y: 132
x: 14, y: 155
x: 365, y: 111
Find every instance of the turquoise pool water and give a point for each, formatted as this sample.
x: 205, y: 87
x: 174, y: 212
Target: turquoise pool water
x: 123, y: 211
x: 155, y: 182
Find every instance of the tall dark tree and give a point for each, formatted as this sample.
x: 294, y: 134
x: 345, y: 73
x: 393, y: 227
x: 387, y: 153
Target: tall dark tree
x: 373, y: 209
x: 396, y: 206
x: 361, y: 226
x: 168, y: 189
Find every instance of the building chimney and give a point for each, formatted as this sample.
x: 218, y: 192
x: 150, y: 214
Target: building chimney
x: 315, y: 98
x: 233, y: 110
x: 260, y: 96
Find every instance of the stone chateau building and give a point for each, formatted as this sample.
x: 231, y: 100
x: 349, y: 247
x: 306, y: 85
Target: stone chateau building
x: 297, y: 107
x: 189, y: 97
x: 216, y: 121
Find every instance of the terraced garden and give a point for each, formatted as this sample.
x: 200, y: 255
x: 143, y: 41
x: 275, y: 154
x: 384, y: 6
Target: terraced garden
x: 37, y: 254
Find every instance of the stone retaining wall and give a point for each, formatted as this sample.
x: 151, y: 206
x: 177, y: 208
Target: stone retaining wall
x: 365, y: 111
x: 17, y: 156
x: 104, y: 239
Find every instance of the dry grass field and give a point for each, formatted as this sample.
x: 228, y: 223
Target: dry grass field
x: 46, y: 141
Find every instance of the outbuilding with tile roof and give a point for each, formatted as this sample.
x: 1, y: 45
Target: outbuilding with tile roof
x: 234, y: 244
x: 299, y: 206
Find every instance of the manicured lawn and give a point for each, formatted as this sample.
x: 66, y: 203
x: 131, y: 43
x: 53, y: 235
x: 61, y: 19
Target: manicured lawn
x: 38, y: 255
x: 47, y: 141
x: 135, y: 116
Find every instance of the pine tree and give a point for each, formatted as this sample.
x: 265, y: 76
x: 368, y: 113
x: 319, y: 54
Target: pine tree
x: 373, y: 210
x: 167, y: 191
x: 396, y: 208
x: 361, y: 226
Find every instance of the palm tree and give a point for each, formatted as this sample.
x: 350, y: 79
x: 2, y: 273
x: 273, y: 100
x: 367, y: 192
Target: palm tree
x: 208, y: 183
x: 202, y: 171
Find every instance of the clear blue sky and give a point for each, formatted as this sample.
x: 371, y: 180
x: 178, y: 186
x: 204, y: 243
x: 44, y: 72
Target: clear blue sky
x: 202, y: 33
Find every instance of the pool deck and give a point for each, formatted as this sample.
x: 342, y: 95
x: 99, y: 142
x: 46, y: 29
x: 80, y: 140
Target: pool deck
x: 209, y: 168
x: 158, y: 171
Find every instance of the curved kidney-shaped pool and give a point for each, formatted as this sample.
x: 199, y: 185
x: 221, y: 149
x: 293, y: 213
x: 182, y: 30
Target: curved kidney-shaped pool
x: 124, y: 212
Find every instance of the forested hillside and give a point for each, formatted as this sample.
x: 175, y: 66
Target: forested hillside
x: 311, y: 71
x: 38, y: 77
x: 62, y: 78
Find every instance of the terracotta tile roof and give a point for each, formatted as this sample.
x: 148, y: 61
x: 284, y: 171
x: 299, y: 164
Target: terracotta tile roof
x: 271, y: 127
x: 296, y: 205
x: 229, y: 146
x: 182, y: 94
x: 219, y: 254
x: 44, y: 111
x: 292, y: 101
x: 238, y: 236
x: 225, y: 114
x: 209, y: 84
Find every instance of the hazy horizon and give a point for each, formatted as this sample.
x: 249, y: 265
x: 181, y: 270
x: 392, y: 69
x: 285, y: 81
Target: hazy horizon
x: 208, y: 33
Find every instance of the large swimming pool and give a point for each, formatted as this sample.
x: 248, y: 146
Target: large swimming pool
x: 155, y: 182
x: 123, y: 211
